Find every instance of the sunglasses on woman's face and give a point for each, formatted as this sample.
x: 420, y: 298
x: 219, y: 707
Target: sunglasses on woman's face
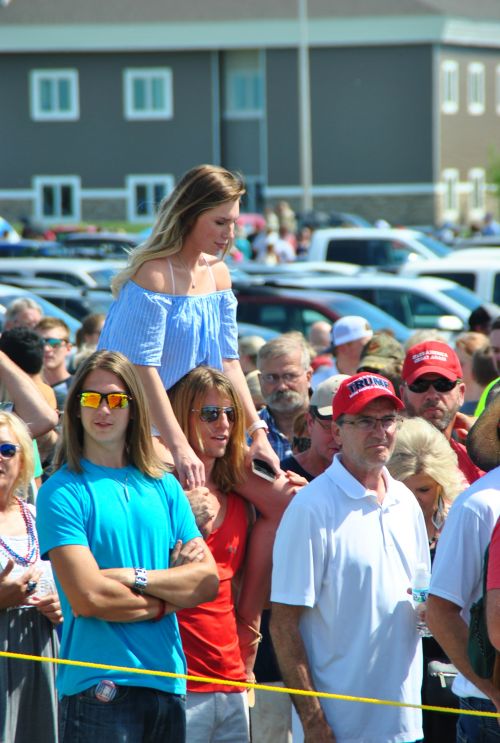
x: 7, y: 450
x: 211, y: 413
x: 91, y: 399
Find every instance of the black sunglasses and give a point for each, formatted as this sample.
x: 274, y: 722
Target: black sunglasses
x: 211, y: 413
x: 440, y: 385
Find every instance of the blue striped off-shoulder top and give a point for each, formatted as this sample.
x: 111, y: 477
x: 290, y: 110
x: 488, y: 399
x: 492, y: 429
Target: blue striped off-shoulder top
x: 174, y: 333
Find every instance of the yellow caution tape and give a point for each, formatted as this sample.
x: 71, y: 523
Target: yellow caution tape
x: 246, y: 685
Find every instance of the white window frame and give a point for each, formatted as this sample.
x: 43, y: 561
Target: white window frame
x: 451, y: 200
x: 476, y: 88
x: 150, y: 181
x: 449, y: 86
x: 477, y: 196
x: 231, y: 75
x: 148, y: 75
x: 73, y: 181
x: 37, y: 77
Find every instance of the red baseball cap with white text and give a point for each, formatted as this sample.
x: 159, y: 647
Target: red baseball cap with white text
x: 431, y: 357
x: 360, y: 390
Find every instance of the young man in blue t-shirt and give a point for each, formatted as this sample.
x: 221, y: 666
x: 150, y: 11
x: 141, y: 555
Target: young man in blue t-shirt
x: 111, y: 521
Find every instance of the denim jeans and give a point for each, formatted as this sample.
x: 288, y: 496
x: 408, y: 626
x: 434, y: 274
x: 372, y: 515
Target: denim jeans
x: 471, y: 729
x: 135, y: 715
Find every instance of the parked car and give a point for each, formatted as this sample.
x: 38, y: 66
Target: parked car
x: 255, y: 270
x: 248, y: 328
x: 371, y: 246
x: 99, y: 244
x: 481, y: 241
x: 77, y: 301
x: 476, y: 272
x: 293, y: 309
x: 318, y: 219
x: 9, y: 293
x: 422, y: 303
x: 74, y: 271
x: 23, y: 248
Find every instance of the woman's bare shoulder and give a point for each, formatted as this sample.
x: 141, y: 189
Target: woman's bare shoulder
x: 153, y: 276
x: 220, y: 272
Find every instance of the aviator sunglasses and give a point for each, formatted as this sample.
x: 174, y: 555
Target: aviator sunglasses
x: 211, y: 413
x: 7, y: 451
x: 440, y: 385
x: 91, y: 399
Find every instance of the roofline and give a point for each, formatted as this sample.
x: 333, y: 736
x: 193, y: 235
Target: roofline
x: 248, y: 34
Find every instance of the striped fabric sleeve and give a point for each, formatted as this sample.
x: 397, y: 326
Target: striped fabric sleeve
x: 136, y: 325
x: 229, y: 327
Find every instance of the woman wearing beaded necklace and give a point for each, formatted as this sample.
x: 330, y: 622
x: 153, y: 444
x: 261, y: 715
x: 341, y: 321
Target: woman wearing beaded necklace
x: 29, y: 605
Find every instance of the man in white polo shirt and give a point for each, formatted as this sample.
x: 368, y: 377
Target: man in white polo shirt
x: 345, y: 554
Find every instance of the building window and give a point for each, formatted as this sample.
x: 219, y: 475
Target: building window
x: 451, y: 204
x: 54, y: 95
x: 475, y: 88
x: 57, y: 198
x: 449, y: 86
x: 148, y: 93
x: 145, y: 193
x: 477, y: 180
x: 243, y: 84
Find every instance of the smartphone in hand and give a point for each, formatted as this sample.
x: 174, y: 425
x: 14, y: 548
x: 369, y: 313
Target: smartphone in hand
x: 263, y: 469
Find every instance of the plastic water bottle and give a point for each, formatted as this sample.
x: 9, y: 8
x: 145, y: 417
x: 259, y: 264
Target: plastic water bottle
x: 420, y: 591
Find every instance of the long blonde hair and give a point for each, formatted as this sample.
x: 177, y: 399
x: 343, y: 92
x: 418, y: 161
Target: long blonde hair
x: 138, y: 441
x: 21, y: 433
x: 200, y: 189
x: 420, y: 447
x: 188, y: 393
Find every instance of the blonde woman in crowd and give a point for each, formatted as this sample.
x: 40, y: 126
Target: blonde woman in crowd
x: 29, y: 605
x: 175, y: 309
x: 424, y: 461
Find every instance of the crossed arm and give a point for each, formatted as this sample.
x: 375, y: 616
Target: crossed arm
x: 108, y: 594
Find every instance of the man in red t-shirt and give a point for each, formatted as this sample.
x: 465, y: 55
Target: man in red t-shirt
x: 433, y: 388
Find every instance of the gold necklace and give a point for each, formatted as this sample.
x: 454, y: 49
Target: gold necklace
x: 193, y: 283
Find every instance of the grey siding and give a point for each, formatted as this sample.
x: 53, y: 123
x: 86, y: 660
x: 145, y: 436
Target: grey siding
x: 282, y: 117
x: 240, y: 145
x: 128, y: 11
x: 372, y: 115
x: 467, y: 140
x: 102, y: 146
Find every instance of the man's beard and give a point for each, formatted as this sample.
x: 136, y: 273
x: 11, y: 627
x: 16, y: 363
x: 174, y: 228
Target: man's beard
x: 286, y: 401
x: 441, y: 423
